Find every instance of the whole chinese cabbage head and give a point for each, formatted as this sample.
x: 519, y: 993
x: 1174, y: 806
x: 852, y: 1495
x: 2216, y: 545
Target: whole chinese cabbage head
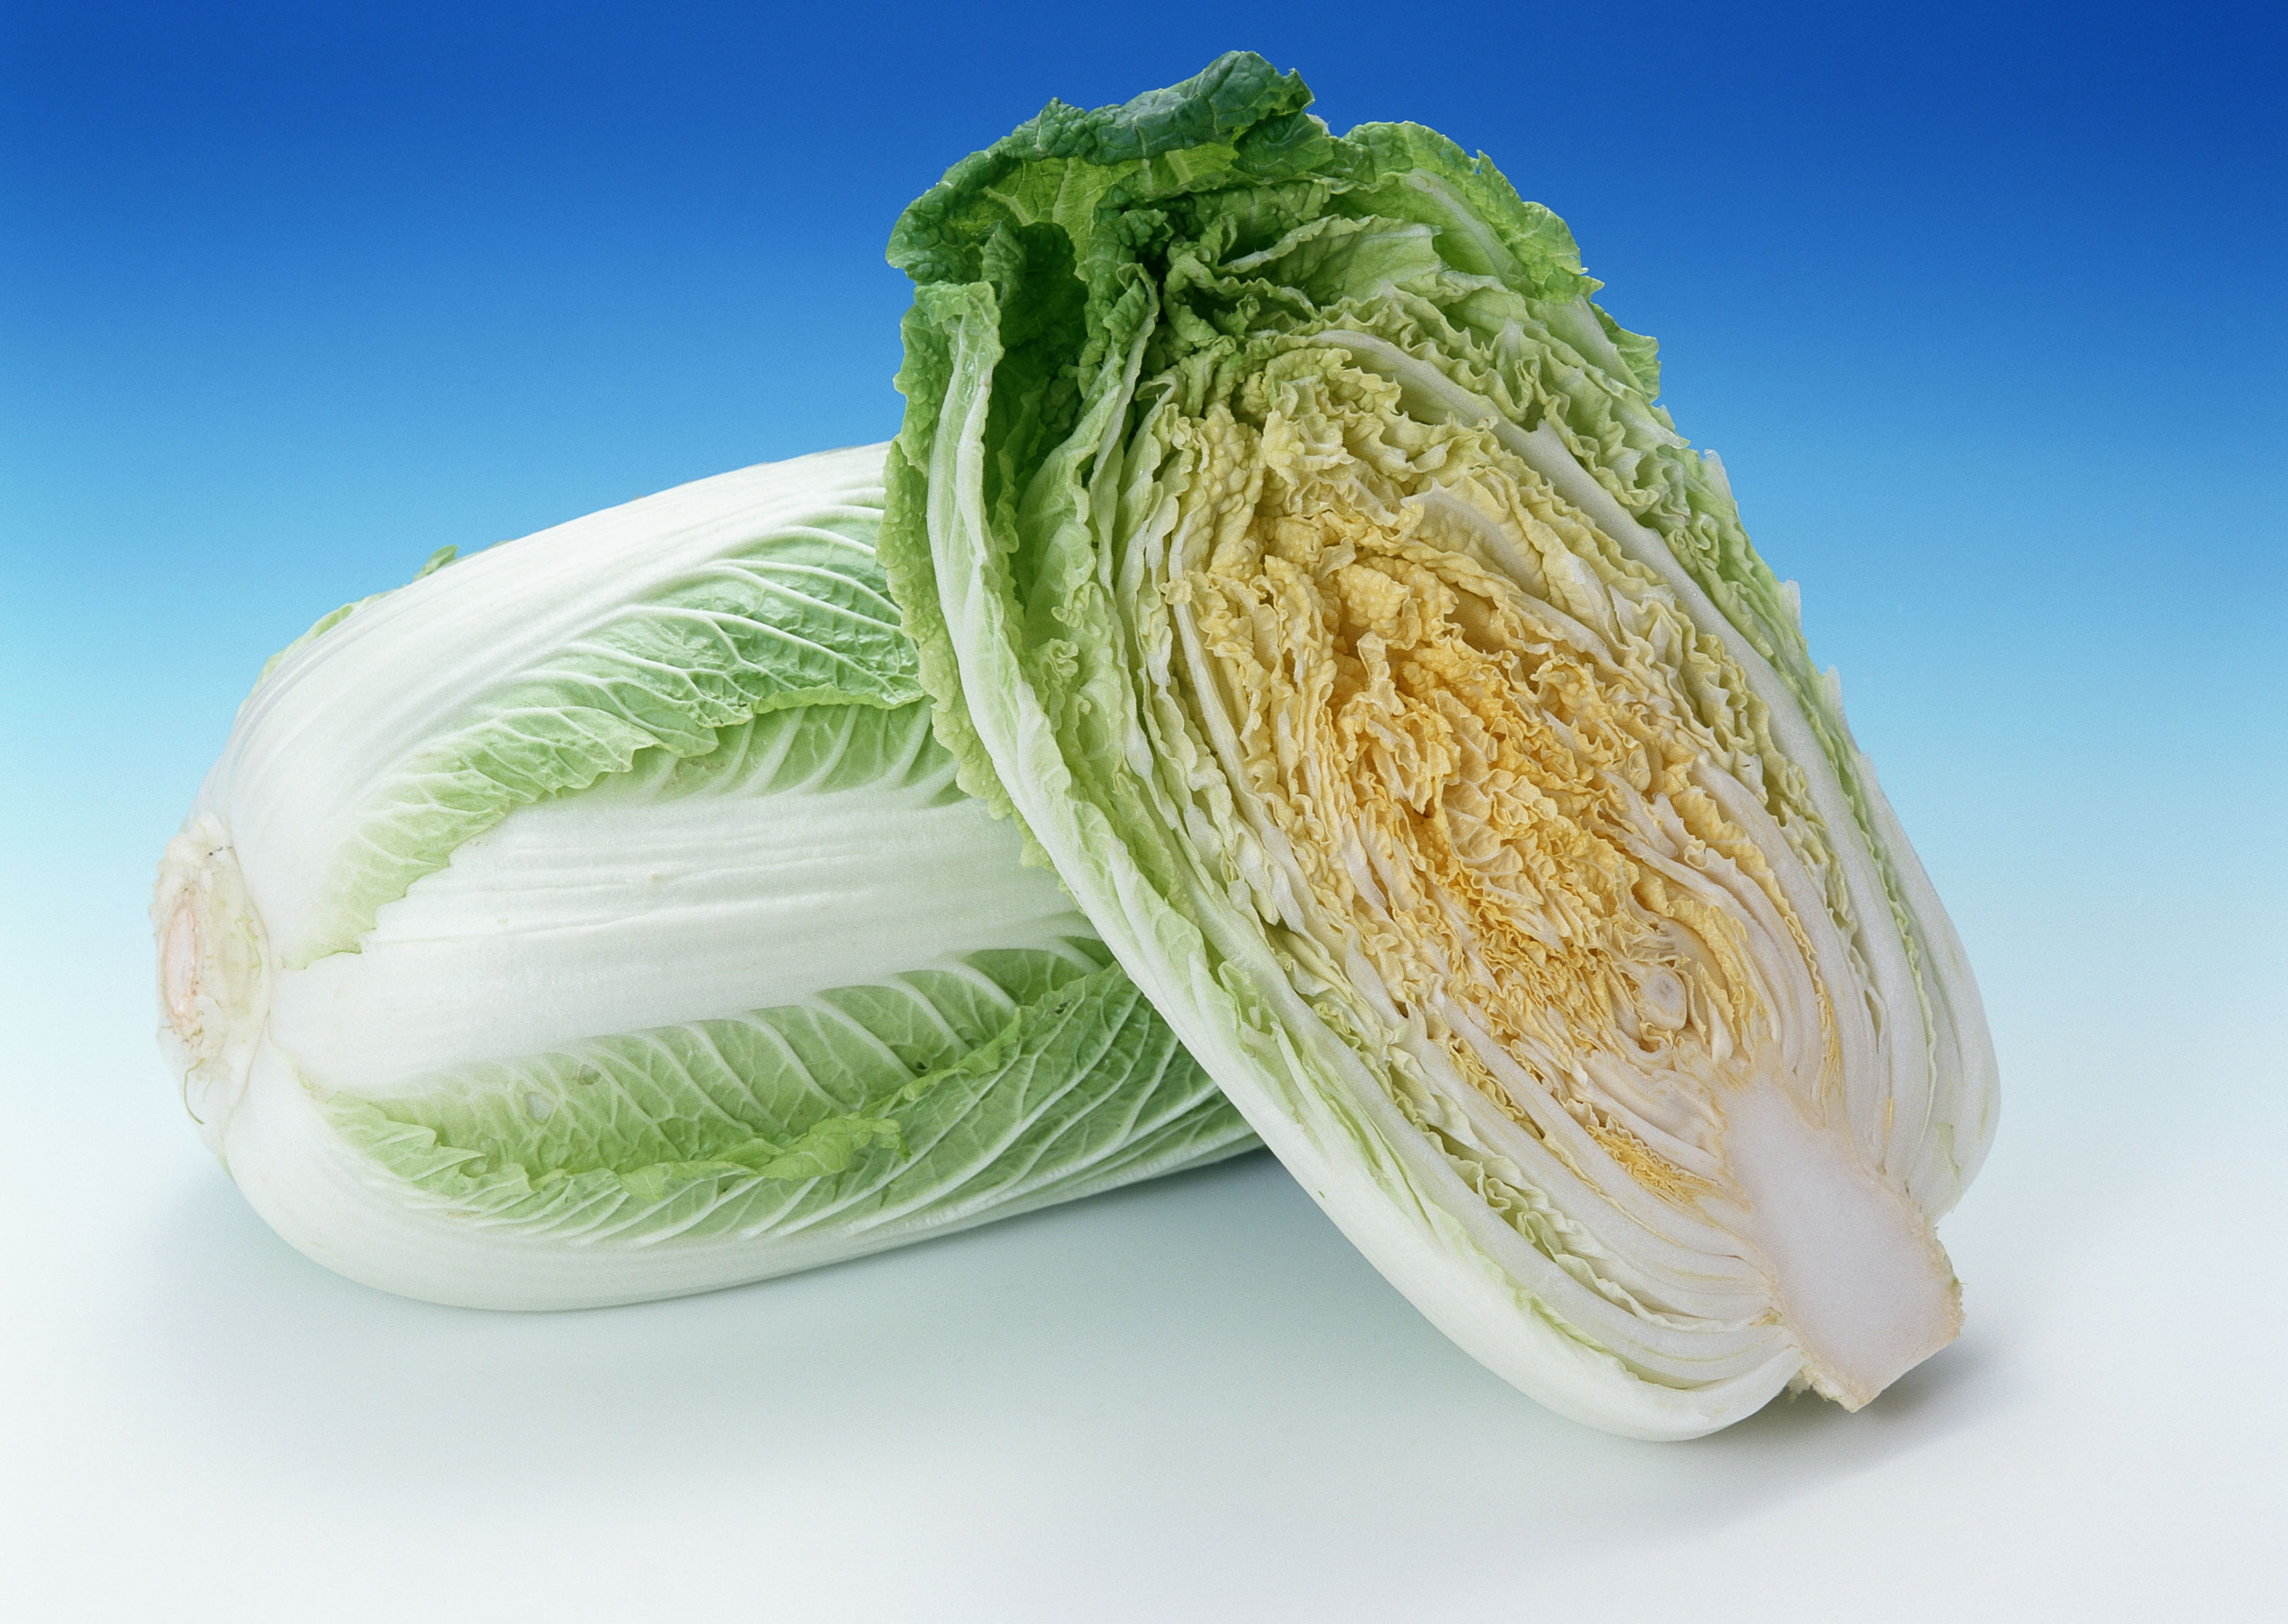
x: 1295, y: 546
x: 595, y: 919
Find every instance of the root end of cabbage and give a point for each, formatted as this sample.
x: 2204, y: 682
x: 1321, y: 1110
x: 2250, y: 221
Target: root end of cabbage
x: 214, y: 978
x: 1860, y: 1281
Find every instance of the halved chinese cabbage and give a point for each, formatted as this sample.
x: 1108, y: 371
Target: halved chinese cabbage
x: 596, y: 920
x: 1296, y: 549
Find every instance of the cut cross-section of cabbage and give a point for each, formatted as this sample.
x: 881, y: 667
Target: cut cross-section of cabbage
x: 596, y: 919
x: 1297, y: 550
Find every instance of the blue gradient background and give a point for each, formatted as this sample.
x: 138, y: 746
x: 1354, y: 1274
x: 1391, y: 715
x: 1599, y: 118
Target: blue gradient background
x: 1984, y: 307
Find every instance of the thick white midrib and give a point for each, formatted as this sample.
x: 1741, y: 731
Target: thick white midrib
x: 415, y: 662
x: 1970, y: 1094
x: 1577, y: 324
x: 1911, y: 1082
x: 293, y: 780
x: 1854, y: 1031
x: 688, y: 908
x: 628, y: 553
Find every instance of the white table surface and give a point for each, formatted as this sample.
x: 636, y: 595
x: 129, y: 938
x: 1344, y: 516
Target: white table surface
x: 1190, y: 1400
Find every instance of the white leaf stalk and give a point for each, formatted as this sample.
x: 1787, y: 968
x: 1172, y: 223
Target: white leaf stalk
x: 596, y: 919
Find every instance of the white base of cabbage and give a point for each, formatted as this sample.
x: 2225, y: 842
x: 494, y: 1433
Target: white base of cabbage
x: 1864, y: 1288
x: 1864, y: 1291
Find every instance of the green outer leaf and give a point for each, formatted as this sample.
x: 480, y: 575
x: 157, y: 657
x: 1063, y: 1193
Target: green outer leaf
x: 1022, y: 1076
x: 1059, y: 167
x: 333, y: 618
x: 811, y: 749
x: 928, y: 373
x: 323, y: 624
x: 800, y: 617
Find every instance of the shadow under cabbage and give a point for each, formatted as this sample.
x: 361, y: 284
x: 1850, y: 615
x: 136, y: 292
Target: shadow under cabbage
x: 1202, y: 1354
